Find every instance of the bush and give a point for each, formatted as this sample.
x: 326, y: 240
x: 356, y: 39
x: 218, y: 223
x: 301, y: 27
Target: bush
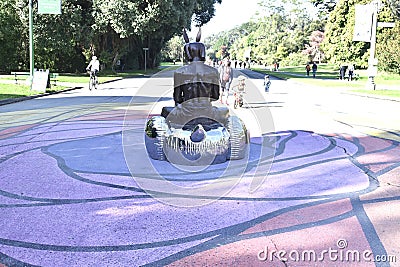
x: 388, y: 50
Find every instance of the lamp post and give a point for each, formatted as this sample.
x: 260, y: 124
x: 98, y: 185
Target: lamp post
x: 31, y: 53
x: 145, y: 49
x: 373, y: 62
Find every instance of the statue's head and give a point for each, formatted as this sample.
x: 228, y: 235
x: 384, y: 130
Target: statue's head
x: 195, y: 51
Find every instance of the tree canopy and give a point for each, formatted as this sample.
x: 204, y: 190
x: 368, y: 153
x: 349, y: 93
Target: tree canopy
x: 280, y: 34
x: 112, y: 29
x: 118, y: 30
x: 291, y: 36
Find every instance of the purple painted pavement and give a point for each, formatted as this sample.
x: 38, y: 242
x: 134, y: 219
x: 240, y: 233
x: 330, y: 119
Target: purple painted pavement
x: 68, y: 198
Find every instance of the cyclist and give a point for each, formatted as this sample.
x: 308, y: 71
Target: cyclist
x: 239, y: 90
x: 94, y: 67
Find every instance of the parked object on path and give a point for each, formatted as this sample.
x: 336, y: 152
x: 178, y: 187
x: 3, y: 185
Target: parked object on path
x: 194, y: 132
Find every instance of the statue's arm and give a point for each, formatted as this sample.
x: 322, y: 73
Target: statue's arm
x: 178, y: 98
x: 178, y: 95
x: 215, y: 92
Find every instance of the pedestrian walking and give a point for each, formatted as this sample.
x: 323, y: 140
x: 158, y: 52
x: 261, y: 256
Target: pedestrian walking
x: 226, y: 77
x: 342, y: 72
x: 351, y: 72
x: 314, y: 69
x: 308, y: 68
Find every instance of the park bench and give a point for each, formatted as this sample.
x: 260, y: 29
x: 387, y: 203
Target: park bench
x: 20, y: 75
x: 54, y: 78
x: 346, y: 76
x: 24, y: 75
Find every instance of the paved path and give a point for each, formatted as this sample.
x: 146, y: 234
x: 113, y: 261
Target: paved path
x: 320, y: 187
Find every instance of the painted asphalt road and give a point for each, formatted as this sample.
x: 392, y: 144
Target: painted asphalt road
x: 75, y: 189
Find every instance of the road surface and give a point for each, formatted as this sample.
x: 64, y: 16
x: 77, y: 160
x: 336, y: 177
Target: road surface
x: 320, y: 187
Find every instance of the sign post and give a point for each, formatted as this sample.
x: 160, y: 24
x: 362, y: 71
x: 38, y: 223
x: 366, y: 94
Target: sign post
x: 44, y: 7
x: 365, y: 31
x: 373, y: 62
x: 31, y: 48
x: 49, y: 7
x: 145, y: 49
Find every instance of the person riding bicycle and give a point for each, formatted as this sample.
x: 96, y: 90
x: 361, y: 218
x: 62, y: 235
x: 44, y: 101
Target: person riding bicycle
x: 238, y: 91
x: 241, y: 86
x: 94, y: 65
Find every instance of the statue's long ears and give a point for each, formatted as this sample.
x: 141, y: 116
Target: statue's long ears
x: 185, y: 36
x: 198, y: 37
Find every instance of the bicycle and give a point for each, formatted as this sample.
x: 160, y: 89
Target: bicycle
x: 93, y: 81
x: 238, y: 99
x: 239, y: 91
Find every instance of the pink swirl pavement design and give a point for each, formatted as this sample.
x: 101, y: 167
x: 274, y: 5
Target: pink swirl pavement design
x: 67, y: 198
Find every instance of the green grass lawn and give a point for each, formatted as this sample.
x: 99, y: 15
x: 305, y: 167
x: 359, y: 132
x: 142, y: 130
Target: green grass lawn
x: 391, y: 93
x: 11, y: 90
x: 327, y: 76
x: 104, y: 76
x: 19, y: 90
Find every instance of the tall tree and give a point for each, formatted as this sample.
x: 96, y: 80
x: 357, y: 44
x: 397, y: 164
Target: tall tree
x: 12, y: 47
x: 326, y: 6
x: 395, y: 7
x: 313, y: 49
x: 338, y: 44
x: 147, y: 24
x: 109, y: 28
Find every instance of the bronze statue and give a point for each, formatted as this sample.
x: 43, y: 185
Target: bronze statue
x: 196, y: 85
x: 194, y: 131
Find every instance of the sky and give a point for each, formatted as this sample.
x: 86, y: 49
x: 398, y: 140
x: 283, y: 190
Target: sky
x: 228, y: 14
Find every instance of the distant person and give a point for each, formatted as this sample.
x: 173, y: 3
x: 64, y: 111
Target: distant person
x: 277, y: 66
x: 94, y: 65
x: 267, y: 83
x: 236, y: 63
x: 226, y: 77
x: 240, y: 64
x: 314, y: 69
x: 342, y: 72
x: 351, y: 72
x: 308, y: 69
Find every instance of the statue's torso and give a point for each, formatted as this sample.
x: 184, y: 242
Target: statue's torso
x: 195, y: 80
